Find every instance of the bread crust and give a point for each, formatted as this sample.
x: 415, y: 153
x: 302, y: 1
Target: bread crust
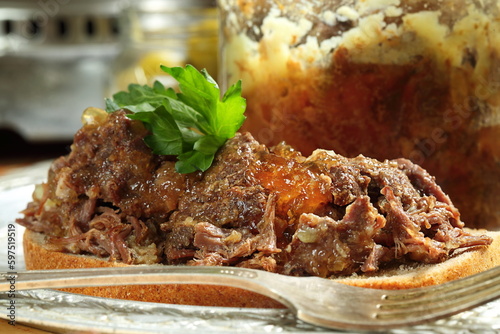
x: 462, y: 264
x: 39, y: 255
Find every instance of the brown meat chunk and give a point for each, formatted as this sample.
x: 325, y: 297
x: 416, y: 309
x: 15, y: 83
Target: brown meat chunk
x: 256, y: 207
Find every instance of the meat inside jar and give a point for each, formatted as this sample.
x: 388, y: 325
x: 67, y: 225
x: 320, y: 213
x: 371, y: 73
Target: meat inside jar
x: 413, y: 78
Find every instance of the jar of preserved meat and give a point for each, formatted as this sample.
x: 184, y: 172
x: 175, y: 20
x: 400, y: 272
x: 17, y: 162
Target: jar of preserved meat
x: 384, y: 78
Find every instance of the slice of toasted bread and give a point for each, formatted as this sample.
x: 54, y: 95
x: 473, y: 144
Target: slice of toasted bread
x: 41, y: 255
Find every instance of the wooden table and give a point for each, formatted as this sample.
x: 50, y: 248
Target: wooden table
x: 15, y: 153
x: 6, y: 167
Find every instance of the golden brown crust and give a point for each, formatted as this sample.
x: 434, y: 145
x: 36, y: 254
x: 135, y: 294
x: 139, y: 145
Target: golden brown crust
x: 38, y: 255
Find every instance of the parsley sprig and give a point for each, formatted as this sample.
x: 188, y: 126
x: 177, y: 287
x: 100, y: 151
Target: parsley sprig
x: 192, y: 124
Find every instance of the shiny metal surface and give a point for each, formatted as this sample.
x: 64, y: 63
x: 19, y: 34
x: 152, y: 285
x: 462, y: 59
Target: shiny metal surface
x: 317, y: 301
x: 54, y: 61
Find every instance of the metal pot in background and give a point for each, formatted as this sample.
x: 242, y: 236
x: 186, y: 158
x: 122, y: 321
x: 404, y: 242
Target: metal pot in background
x: 55, y: 57
x: 58, y: 57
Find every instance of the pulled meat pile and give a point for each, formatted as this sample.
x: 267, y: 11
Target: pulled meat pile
x: 256, y: 207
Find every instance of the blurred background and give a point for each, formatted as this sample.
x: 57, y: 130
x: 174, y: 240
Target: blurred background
x: 58, y: 57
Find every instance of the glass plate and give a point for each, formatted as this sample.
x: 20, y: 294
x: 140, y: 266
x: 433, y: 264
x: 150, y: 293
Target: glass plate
x: 64, y: 312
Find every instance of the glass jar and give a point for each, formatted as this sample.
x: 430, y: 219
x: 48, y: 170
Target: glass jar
x: 165, y: 32
x: 385, y: 78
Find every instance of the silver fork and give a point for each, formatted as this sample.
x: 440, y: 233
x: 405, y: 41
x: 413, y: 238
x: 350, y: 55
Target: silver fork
x: 314, y: 300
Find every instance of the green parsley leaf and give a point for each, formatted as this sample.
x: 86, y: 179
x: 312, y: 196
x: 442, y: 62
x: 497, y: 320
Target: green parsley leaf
x: 191, y: 124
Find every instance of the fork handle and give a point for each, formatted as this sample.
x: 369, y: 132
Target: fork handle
x: 247, y: 279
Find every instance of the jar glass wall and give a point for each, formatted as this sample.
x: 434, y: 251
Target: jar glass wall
x: 395, y: 78
x: 165, y: 32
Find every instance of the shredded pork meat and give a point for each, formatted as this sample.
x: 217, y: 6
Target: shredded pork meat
x: 255, y: 207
